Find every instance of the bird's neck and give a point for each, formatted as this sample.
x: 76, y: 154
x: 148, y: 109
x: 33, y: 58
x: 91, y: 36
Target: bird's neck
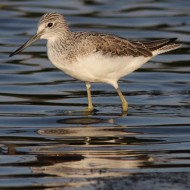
x: 60, y: 43
x: 60, y: 37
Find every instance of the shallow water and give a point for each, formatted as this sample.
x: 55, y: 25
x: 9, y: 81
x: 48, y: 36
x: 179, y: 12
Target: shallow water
x: 48, y: 142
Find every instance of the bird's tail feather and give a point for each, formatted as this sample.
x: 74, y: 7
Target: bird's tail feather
x: 162, y: 46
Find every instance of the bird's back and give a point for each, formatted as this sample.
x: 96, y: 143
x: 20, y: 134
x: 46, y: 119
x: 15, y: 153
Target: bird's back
x: 90, y: 42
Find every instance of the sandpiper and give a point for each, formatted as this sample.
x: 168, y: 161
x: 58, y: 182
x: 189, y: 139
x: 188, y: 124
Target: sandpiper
x: 94, y: 57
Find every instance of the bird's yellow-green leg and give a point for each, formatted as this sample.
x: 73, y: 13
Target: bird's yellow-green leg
x: 123, y: 100
x: 90, y: 106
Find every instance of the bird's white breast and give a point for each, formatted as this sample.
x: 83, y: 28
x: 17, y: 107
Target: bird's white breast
x: 97, y: 67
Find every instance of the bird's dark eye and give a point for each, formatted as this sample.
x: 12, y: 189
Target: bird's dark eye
x: 50, y: 24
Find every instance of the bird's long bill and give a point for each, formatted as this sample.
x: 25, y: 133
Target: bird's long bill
x: 25, y: 45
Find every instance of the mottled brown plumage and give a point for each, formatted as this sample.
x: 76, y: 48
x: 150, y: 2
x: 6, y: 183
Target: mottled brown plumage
x: 116, y: 46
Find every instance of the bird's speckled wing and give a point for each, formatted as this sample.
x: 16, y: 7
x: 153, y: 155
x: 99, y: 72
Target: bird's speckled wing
x: 114, y: 45
x: 117, y: 46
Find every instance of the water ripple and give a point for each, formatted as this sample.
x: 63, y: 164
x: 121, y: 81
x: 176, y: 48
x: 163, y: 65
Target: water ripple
x: 47, y: 141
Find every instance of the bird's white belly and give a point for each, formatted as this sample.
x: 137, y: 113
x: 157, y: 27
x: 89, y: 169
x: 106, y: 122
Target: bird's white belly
x: 100, y: 68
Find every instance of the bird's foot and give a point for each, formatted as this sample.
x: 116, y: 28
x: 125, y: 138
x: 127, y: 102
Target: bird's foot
x: 89, y: 109
x: 124, y: 113
x: 124, y: 108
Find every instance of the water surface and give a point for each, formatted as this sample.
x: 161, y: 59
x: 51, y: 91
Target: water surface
x: 48, y: 142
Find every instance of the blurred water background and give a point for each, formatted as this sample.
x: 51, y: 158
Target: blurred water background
x: 47, y: 142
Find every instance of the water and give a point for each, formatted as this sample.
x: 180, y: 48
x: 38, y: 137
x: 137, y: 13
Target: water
x: 48, y: 142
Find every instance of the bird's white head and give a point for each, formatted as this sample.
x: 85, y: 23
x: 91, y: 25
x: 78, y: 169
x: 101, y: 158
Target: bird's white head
x: 50, y: 27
